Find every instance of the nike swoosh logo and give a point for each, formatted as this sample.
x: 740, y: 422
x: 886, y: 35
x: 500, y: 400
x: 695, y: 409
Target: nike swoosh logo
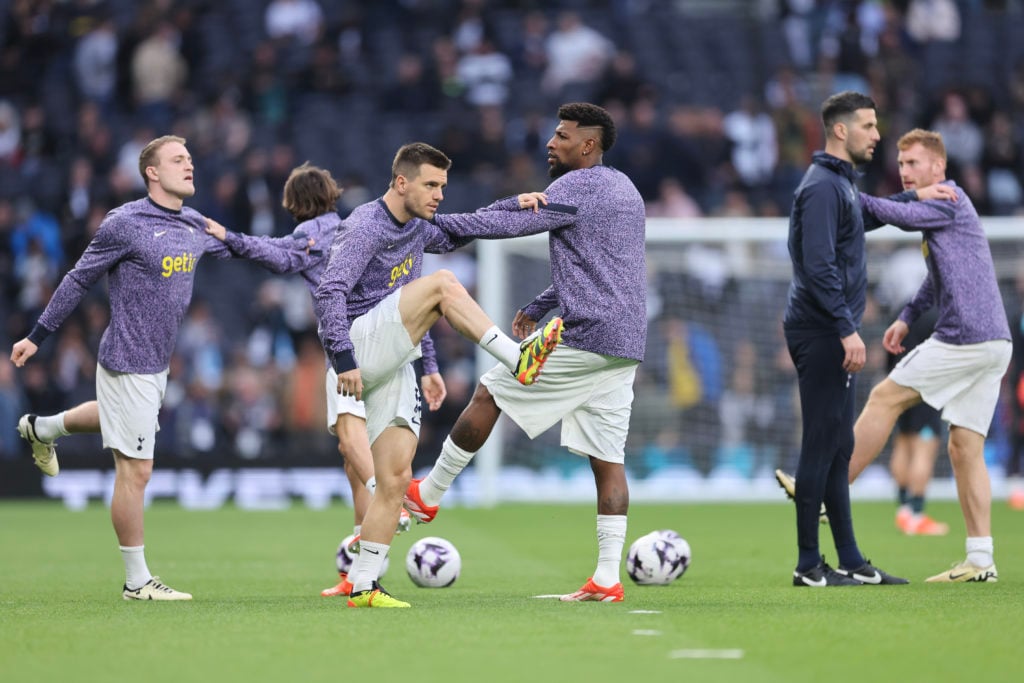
x: 875, y: 578
x: 372, y: 552
x: 820, y: 583
x: 491, y: 339
x: 158, y: 234
x: 954, y: 577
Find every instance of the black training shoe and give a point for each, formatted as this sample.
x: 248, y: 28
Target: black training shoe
x: 868, y: 574
x: 823, y: 575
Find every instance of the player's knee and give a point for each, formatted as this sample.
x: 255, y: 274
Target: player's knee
x: 448, y: 287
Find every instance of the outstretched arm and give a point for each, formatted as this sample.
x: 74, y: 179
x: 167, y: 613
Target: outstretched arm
x: 281, y: 255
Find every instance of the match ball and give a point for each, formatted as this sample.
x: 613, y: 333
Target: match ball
x: 433, y: 562
x: 343, y: 559
x: 658, y: 558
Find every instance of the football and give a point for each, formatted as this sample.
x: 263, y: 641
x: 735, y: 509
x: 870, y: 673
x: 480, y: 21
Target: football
x: 657, y: 559
x: 433, y: 563
x: 343, y: 559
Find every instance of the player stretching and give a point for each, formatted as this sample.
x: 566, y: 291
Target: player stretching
x: 149, y: 249
x: 374, y: 310
x: 959, y: 368
x: 310, y: 195
x: 595, y: 218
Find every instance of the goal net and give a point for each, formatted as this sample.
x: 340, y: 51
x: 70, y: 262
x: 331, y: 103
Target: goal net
x: 716, y: 408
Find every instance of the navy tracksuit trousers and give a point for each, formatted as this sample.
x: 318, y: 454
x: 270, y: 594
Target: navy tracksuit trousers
x: 827, y: 406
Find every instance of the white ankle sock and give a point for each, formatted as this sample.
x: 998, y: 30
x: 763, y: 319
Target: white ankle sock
x: 611, y: 536
x: 980, y: 551
x: 356, y: 528
x: 135, y: 570
x: 451, y: 461
x: 366, y: 568
x: 501, y: 346
x: 50, y: 427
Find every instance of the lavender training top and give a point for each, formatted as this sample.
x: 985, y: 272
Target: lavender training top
x: 149, y: 253
x: 596, y: 223
x: 961, y: 278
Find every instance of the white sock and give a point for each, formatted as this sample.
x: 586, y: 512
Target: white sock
x: 611, y: 536
x: 501, y: 346
x: 49, y: 428
x: 136, y: 573
x: 356, y: 528
x: 371, y: 485
x: 980, y: 551
x: 366, y: 568
x: 451, y: 461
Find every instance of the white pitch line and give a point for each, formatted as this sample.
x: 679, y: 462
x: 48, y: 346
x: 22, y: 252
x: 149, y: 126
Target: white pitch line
x: 645, y: 632
x: 705, y: 654
x: 553, y: 595
x: 645, y: 611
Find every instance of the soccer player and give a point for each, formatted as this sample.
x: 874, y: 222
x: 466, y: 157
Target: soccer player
x: 149, y: 249
x: 595, y: 219
x: 824, y: 310
x: 310, y: 195
x: 957, y: 370
x: 374, y: 309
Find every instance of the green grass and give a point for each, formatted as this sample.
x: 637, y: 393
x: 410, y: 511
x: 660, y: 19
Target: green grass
x: 257, y: 614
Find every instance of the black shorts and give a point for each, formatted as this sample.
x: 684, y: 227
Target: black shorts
x: 916, y: 419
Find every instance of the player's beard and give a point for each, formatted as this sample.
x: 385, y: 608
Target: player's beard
x: 558, y: 169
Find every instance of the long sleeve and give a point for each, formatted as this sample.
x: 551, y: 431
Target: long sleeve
x: 921, y: 302
x: 280, y: 255
x: 105, y: 250
x: 910, y: 216
x: 544, y: 302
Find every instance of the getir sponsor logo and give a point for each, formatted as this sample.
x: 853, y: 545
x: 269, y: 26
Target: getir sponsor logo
x: 178, y: 264
x: 403, y: 268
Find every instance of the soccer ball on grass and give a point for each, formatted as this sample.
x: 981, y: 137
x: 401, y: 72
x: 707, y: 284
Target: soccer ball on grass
x: 658, y: 558
x: 433, y: 562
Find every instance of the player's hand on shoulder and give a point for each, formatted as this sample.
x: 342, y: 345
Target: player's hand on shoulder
x: 937, y: 191
x: 532, y: 200
x: 22, y: 351
x: 216, y: 229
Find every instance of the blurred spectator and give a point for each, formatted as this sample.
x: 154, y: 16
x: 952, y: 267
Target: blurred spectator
x: 95, y: 64
x: 754, y: 147
x: 672, y: 201
x: 485, y: 74
x: 933, y: 20
x: 963, y: 137
x: 298, y: 19
x: 1003, y: 164
x: 414, y: 89
x: 158, y: 73
x: 577, y: 56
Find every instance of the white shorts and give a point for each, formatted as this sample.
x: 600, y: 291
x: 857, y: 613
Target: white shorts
x: 129, y: 405
x: 591, y: 394
x: 961, y: 381
x: 338, y: 405
x: 385, y: 354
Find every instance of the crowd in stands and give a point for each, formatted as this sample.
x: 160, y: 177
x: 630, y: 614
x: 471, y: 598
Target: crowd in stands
x: 716, y: 104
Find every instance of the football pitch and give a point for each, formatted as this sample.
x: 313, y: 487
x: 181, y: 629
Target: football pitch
x: 734, y: 616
